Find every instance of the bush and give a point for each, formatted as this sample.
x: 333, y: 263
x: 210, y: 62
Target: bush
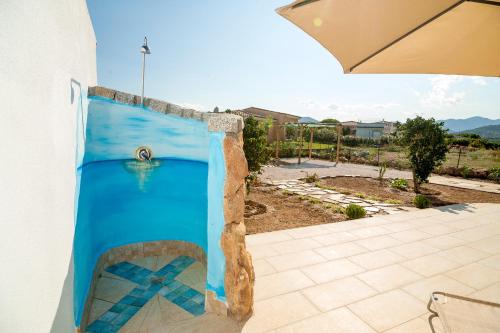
x: 494, y: 174
x: 255, y: 144
x: 426, y: 146
x: 399, y: 184
x: 311, y: 178
x: 354, y: 211
x: 421, y: 201
x: 466, y: 171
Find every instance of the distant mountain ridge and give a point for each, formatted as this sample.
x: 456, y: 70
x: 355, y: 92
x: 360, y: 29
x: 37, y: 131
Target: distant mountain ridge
x: 460, y: 125
x: 489, y: 132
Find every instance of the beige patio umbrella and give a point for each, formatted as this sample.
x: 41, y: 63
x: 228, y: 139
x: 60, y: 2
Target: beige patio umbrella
x: 405, y: 36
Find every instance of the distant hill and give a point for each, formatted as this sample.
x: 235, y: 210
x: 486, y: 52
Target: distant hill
x: 460, y: 125
x: 490, y: 132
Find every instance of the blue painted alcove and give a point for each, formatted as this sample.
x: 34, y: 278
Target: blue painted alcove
x: 176, y: 196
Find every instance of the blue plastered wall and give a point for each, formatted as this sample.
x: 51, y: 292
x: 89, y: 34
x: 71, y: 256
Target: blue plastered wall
x: 120, y: 201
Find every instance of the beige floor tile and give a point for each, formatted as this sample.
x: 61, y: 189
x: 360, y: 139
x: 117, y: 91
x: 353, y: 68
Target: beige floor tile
x: 414, y: 250
x: 267, y: 238
x: 147, y: 262
x: 308, y: 231
x: 399, y: 226
x: 436, y: 323
x: 98, y: 308
x: 340, y: 250
x: 338, y: 293
x: 293, y: 260
x: 280, y: 283
x: 157, y: 313
x: 262, y: 251
x: 431, y: 264
x: 134, y: 324
x: 370, y: 232
x: 408, y: 236
x: 417, y: 325
x: 438, y: 229
x: 112, y: 290
x: 422, y: 289
x: 342, y: 226
x: 491, y: 293
x: 164, y: 260
x: 473, y: 234
x: 376, y: 259
x: 331, y: 270
x: 295, y: 245
x: 401, y: 217
x: 262, y: 267
x: 195, y: 276
x: 475, y: 275
x: 464, y: 224
x: 444, y: 242
x: 490, y: 245
x: 463, y: 254
x: 379, y: 242
x: 279, y: 311
x: 492, y: 262
x: 388, y: 310
x: 339, y: 320
x: 377, y: 221
x: 207, y: 323
x: 112, y: 276
x: 335, y: 238
x: 389, y: 277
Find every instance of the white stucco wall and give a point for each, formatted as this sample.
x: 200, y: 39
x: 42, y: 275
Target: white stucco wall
x: 43, y: 45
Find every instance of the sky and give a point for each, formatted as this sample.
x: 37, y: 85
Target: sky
x: 240, y: 53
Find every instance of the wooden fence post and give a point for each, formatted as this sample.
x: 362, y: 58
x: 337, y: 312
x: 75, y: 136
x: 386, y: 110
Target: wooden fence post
x: 311, y: 141
x: 339, y: 133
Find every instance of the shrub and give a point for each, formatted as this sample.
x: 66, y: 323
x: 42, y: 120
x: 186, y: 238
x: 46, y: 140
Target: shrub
x: 399, y: 184
x: 354, y: 211
x: 466, y: 171
x: 421, y: 201
x: 337, y: 209
x: 255, y: 144
x: 394, y: 201
x: 311, y: 178
x: 494, y: 174
x: 381, y: 171
x: 426, y: 146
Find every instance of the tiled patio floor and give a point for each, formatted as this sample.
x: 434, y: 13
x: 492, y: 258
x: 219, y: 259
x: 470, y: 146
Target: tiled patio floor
x: 153, y: 295
x: 374, y: 274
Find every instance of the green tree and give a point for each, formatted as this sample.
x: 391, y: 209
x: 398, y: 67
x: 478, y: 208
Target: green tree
x: 255, y: 144
x: 426, y: 146
x: 329, y: 121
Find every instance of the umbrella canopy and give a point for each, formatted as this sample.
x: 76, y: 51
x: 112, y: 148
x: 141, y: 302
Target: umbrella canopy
x: 405, y: 36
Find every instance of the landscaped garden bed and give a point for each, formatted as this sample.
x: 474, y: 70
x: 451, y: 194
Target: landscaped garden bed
x: 440, y: 195
x: 285, y: 211
x: 269, y: 208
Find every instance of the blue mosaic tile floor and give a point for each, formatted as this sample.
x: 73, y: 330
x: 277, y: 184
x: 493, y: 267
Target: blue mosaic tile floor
x: 148, y: 284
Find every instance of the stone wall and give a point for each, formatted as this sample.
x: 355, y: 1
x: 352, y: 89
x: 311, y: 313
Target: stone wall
x: 239, y: 274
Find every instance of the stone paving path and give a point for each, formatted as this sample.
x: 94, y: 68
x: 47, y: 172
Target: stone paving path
x: 329, y: 196
x: 328, y: 169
